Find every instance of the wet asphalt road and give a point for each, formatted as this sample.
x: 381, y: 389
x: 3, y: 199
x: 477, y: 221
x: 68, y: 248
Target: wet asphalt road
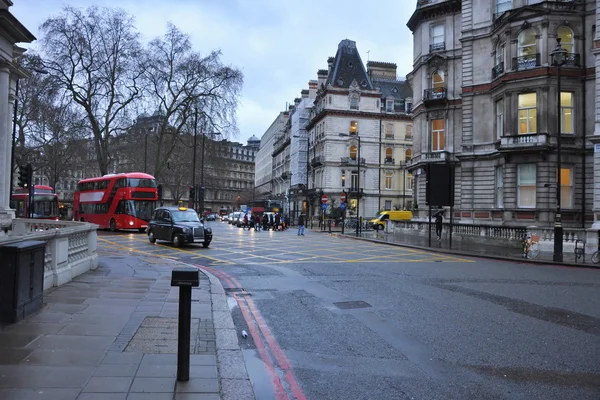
x: 357, y: 320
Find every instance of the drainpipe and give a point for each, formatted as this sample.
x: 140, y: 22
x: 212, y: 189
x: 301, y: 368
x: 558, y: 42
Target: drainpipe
x: 583, y: 149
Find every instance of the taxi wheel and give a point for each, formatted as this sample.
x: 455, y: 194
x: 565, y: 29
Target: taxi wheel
x: 205, y: 244
x: 151, y: 237
x: 113, y: 225
x: 176, y: 240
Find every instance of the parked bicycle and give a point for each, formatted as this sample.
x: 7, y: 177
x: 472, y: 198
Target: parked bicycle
x: 596, y: 255
x: 531, y: 247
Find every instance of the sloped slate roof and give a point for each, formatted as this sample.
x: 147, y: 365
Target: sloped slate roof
x: 348, y: 67
x: 393, y: 88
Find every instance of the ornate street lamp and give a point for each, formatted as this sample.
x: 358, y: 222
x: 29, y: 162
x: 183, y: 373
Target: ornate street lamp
x: 357, y: 183
x: 559, y: 58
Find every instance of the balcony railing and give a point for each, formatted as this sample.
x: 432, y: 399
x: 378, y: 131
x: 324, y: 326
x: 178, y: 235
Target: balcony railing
x: 498, y: 70
x: 389, y: 161
x: 434, y: 94
x: 573, y: 60
x: 389, y: 135
x: 526, y: 62
x: 437, y: 47
x: 352, y: 161
x: 316, y: 161
x: 523, y: 141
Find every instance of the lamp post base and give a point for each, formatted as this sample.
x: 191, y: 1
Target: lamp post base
x: 558, y: 244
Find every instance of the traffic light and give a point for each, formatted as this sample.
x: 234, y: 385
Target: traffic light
x: 25, y: 175
x: 191, y: 192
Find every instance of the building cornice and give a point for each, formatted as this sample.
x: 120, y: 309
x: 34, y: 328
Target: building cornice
x: 12, y: 28
x: 431, y: 8
x: 358, y: 115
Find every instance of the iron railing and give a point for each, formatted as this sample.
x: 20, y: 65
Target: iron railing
x: 498, y: 70
x: 526, y: 62
x: 435, y: 94
x: 437, y: 47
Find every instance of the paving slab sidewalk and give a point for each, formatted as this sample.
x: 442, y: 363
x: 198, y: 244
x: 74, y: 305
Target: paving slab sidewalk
x: 112, y: 334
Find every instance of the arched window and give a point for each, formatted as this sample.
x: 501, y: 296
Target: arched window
x: 567, y: 40
x: 437, y: 79
x: 408, y: 154
x: 388, y: 154
x: 527, y: 43
x: 353, y: 152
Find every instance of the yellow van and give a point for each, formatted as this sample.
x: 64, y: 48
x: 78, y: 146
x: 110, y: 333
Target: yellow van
x: 379, y: 221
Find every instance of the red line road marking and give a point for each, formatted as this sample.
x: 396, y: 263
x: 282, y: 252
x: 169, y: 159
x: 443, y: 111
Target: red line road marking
x: 260, y: 347
x: 280, y: 356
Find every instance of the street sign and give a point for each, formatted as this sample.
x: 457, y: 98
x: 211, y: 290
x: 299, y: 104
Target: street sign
x: 324, y: 198
x: 343, y: 206
x: 343, y: 197
x: 324, y: 206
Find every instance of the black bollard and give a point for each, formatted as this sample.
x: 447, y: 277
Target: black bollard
x: 185, y: 278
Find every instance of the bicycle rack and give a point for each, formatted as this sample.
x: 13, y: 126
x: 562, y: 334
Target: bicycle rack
x: 580, y: 250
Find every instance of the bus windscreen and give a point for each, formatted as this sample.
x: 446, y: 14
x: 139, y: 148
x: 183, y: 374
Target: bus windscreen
x: 141, y: 209
x: 45, y: 206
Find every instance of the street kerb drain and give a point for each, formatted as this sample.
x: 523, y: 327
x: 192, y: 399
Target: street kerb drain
x: 349, y: 305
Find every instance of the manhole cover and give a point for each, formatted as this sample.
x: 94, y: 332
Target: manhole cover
x: 347, y: 305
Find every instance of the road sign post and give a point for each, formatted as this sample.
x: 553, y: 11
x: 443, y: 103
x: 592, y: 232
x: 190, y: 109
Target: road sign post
x: 343, y: 197
x: 324, y: 199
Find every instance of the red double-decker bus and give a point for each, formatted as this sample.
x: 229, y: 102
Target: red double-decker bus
x: 116, y: 201
x: 45, y: 203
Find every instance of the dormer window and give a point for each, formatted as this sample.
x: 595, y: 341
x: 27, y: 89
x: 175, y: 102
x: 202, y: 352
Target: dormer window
x: 340, y: 82
x: 389, y: 105
x: 363, y: 83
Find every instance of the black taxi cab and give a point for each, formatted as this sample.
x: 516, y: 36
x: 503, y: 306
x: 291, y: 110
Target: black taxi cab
x: 178, y: 225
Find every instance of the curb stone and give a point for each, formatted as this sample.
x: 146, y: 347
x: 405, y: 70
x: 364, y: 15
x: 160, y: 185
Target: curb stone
x: 234, y: 381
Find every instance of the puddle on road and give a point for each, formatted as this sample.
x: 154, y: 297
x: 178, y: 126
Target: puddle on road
x: 259, y: 377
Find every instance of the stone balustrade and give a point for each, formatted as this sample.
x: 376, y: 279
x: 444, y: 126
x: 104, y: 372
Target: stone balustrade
x: 511, y: 236
x: 70, y: 247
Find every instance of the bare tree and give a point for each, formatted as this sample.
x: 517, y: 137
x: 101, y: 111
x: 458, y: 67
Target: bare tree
x: 94, y: 54
x: 186, y: 86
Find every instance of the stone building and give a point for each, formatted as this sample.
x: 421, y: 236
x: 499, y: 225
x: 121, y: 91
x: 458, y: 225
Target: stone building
x: 12, y: 32
x: 359, y: 124
x: 486, y: 101
x: 264, y: 157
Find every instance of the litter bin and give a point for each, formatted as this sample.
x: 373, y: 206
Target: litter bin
x: 21, y: 280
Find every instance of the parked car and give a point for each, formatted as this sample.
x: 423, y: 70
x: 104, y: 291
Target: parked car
x: 178, y: 225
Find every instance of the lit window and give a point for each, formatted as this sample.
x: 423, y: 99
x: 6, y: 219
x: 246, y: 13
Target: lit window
x: 566, y: 187
x: 388, y: 154
x: 388, y: 180
x: 499, y: 187
x: 437, y: 79
x: 527, y: 113
x: 567, y: 41
x: 343, y: 179
x: 408, y: 131
x: 408, y: 154
x: 566, y: 107
x: 353, y: 152
x: 438, y: 135
x: 526, y: 182
x: 353, y: 127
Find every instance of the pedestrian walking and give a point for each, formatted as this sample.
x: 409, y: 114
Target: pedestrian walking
x: 265, y: 222
x: 439, y: 216
x: 301, y: 225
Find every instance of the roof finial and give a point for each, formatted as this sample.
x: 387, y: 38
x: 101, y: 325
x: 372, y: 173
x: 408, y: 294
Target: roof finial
x: 368, y: 55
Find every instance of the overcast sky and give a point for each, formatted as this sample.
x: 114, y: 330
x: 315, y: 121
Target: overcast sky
x: 279, y: 45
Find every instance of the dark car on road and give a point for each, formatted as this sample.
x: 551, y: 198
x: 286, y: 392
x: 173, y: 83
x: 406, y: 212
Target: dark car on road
x: 178, y: 225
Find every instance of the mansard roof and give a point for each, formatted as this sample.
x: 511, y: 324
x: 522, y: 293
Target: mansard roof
x: 348, y: 67
x: 393, y: 88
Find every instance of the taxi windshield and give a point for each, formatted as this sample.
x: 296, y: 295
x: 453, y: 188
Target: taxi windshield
x: 185, y: 216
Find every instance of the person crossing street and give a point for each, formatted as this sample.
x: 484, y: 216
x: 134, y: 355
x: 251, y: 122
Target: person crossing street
x: 301, y: 225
